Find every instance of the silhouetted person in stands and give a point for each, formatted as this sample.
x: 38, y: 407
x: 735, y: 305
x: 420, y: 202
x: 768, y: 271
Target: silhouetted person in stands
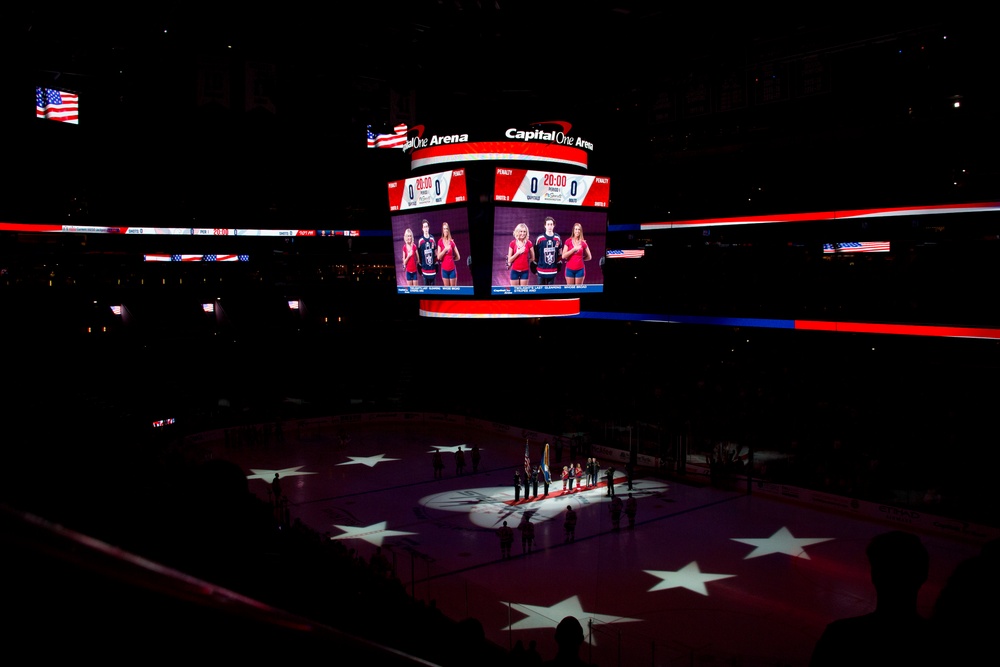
x: 966, y: 615
x: 517, y: 653
x: 531, y: 655
x: 276, y: 488
x: 893, y: 634
x: 569, y: 637
x: 470, y: 646
x: 380, y: 564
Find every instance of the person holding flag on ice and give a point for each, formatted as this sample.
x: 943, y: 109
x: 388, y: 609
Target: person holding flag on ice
x: 543, y: 469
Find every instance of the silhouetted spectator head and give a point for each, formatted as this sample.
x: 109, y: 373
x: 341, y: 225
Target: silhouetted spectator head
x: 899, y: 562
x: 991, y: 550
x: 569, y: 635
x: 895, y: 633
x: 968, y: 607
x: 471, y: 631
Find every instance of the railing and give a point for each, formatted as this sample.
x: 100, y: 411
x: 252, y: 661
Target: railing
x: 76, y: 595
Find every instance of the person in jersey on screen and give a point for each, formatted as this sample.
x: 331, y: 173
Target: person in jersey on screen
x: 520, y: 253
x: 427, y: 254
x: 447, y: 255
x: 575, y: 253
x: 410, y: 258
x: 548, y: 249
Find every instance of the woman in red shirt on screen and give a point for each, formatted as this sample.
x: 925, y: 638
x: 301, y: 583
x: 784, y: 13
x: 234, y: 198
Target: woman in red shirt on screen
x: 519, y: 253
x: 575, y: 253
x: 447, y: 255
x: 409, y: 258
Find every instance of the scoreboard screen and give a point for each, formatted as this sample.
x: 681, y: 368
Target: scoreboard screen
x: 440, y: 189
x: 550, y: 188
x: 431, y: 251
x: 548, y: 250
x: 430, y: 234
x: 549, y: 232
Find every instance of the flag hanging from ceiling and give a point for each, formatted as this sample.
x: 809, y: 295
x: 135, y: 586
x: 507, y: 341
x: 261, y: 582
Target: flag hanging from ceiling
x: 397, y: 139
x: 57, y: 105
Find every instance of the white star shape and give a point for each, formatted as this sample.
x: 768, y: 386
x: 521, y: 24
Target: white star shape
x: 268, y: 475
x: 373, y: 534
x: 782, y: 542
x: 690, y: 577
x: 465, y: 448
x: 549, y: 617
x: 369, y: 461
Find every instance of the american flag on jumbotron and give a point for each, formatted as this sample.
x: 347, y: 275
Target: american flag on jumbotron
x: 856, y: 246
x: 195, y: 258
x: 57, y: 105
x: 395, y: 140
x: 624, y: 254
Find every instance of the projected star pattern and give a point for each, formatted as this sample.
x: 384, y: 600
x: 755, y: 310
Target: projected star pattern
x: 690, y: 545
x: 373, y: 534
x: 370, y: 461
x: 537, y: 616
x: 268, y: 475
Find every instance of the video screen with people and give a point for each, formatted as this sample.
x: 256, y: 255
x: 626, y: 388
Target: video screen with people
x: 548, y: 250
x: 431, y: 250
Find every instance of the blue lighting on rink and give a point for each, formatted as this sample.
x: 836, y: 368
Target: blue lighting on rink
x: 691, y: 319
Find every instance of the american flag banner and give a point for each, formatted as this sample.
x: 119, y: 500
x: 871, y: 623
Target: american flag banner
x: 161, y: 257
x: 395, y: 140
x: 625, y: 254
x: 545, y: 463
x: 856, y: 246
x: 57, y: 105
x: 527, y: 458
